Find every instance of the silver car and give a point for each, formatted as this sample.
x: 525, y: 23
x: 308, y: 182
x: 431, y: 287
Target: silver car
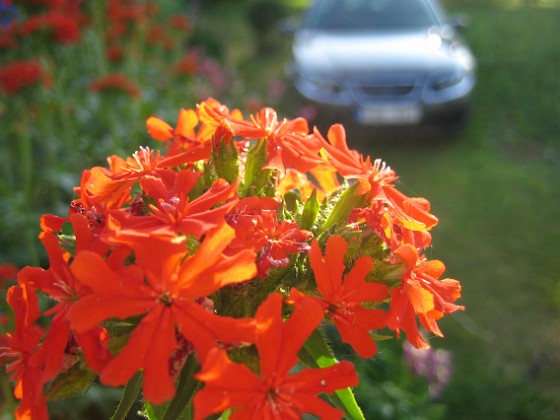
x: 387, y: 62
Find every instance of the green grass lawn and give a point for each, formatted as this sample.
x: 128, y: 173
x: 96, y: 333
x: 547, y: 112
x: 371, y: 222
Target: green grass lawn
x: 496, y: 190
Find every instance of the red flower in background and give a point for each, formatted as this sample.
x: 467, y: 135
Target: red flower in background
x: 65, y: 28
x: 273, y: 392
x: 189, y: 64
x: 8, y: 36
x: 116, y: 82
x: 8, y: 272
x: 19, y: 74
x: 180, y: 22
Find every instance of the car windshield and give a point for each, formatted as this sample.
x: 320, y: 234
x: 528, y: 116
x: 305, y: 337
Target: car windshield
x: 372, y: 15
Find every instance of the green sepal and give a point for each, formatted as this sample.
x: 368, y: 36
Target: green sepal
x: 317, y: 353
x: 224, y: 161
x: 388, y: 274
x: 257, y: 181
x: 68, y: 243
x: 75, y: 381
x: 310, y: 212
x: 346, y: 202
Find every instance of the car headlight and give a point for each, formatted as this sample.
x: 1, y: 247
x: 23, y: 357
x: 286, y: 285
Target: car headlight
x: 324, y: 85
x: 463, y: 57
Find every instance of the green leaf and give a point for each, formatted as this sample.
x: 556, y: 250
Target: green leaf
x: 180, y: 405
x: 75, y: 381
x: 348, y: 200
x: 129, y: 396
x: 310, y: 211
x: 257, y: 181
x: 316, y: 352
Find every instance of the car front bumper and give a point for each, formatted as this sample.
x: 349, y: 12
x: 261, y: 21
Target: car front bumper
x: 405, y: 100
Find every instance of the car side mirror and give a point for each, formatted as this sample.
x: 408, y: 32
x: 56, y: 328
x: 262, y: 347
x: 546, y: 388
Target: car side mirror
x: 459, y: 22
x: 288, y: 25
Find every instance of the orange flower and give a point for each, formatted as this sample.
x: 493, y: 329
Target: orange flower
x: 343, y: 296
x: 422, y: 294
x: 288, y: 143
x: 165, y: 290
x: 19, y: 347
x: 111, y: 185
x: 60, y: 285
x: 183, y: 136
x: 274, y: 392
x: 256, y: 226
x: 376, y: 179
x: 174, y: 214
x: 215, y: 120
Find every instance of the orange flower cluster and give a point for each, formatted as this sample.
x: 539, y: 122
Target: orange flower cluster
x: 219, y: 254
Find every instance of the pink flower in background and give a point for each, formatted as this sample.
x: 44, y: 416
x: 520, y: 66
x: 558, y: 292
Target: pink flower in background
x: 434, y: 365
x: 214, y: 73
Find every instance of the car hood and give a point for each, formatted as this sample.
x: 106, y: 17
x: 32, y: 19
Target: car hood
x: 342, y: 54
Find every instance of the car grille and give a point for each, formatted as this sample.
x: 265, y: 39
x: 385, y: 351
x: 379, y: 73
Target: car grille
x: 386, y: 86
x: 386, y: 90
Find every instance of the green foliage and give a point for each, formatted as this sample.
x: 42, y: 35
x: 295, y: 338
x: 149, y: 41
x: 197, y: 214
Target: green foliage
x: 75, y: 381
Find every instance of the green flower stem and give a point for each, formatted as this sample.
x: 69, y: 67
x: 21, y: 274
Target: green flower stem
x: 185, y: 390
x: 129, y: 397
x: 317, y: 353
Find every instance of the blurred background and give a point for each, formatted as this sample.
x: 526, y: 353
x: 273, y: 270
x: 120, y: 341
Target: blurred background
x: 78, y: 80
